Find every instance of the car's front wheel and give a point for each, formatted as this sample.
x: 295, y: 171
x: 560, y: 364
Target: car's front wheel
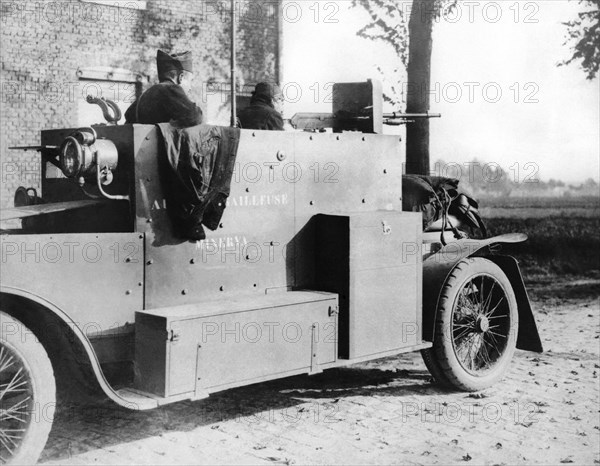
x: 476, y: 327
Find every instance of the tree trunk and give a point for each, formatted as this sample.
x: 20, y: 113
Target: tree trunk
x: 419, y: 81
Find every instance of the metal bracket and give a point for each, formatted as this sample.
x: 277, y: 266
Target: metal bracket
x: 99, y: 182
x: 199, y: 392
x: 173, y: 336
x: 387, y: 229
x: 314, y: 351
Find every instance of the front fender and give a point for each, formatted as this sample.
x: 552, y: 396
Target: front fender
x: 528, y: 337
x: 438, y: 266
x: 42, y: 305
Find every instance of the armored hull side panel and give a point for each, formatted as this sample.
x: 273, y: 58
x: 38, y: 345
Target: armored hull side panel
x: 246, y: 254
x: 347, y: 172
x: 96, y: 279
x: 266, y: 238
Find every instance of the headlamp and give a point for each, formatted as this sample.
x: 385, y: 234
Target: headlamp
x: 71, y: 157
x: 82, y: 155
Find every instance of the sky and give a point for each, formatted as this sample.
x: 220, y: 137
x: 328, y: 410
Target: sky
x: 494, y: 80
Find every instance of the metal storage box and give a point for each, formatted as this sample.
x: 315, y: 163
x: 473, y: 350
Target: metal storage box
x: 199, y: 349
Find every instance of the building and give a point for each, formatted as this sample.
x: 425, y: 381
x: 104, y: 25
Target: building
x: 55, y: 53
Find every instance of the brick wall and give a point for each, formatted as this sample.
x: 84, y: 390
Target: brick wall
x: 45, y: 46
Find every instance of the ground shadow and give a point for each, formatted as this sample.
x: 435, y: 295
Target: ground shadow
x: 99, y: 425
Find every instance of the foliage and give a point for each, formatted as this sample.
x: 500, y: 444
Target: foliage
x: 585, y: 33
x: 556, y: 244
x: 563, y: 232
x: 389, y: 24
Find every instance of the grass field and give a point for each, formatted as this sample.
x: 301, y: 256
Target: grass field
x: 564, y: 233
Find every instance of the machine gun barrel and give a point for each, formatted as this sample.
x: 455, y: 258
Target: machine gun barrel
x: 409, y: 116
x: 317, y: 121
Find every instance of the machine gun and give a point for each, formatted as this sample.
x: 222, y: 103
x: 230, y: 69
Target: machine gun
x: 342, y: 119
x: 355, y: 107
x: 397, y: 119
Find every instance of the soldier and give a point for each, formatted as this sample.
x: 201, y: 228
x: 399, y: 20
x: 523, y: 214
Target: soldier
x: 167, y: 101
x: 264, y: 109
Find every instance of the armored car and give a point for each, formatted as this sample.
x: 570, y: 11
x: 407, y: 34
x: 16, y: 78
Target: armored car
x: 312, y: 265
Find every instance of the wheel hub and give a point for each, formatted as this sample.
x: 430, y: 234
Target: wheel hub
x: 482, y: 324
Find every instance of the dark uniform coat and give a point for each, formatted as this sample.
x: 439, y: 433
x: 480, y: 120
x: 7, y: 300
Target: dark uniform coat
x: 163, y: 103
x: 261, y: 114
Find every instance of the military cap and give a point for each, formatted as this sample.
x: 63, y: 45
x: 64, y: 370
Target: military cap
x: 270, y: 91
x: 177, y: 61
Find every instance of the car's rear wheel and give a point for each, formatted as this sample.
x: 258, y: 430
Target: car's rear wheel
x: 27, y: 394
x: 476, y: 327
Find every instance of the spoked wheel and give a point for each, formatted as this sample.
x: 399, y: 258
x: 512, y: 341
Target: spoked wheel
x: 476, y: 327
x: 27, y: 394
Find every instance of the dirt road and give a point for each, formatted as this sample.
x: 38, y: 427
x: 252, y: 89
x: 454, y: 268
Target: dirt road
x: 546, y: 411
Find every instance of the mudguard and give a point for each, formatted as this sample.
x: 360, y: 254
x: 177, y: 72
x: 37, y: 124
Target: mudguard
x: 438, y: 266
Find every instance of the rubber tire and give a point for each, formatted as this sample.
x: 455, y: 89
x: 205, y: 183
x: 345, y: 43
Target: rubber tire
x: 434, y: 368
x: 34, y: 357
x: 441, y: 359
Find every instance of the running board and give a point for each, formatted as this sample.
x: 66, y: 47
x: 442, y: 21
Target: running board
x: 371, y: 357
x: 139, y: 400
